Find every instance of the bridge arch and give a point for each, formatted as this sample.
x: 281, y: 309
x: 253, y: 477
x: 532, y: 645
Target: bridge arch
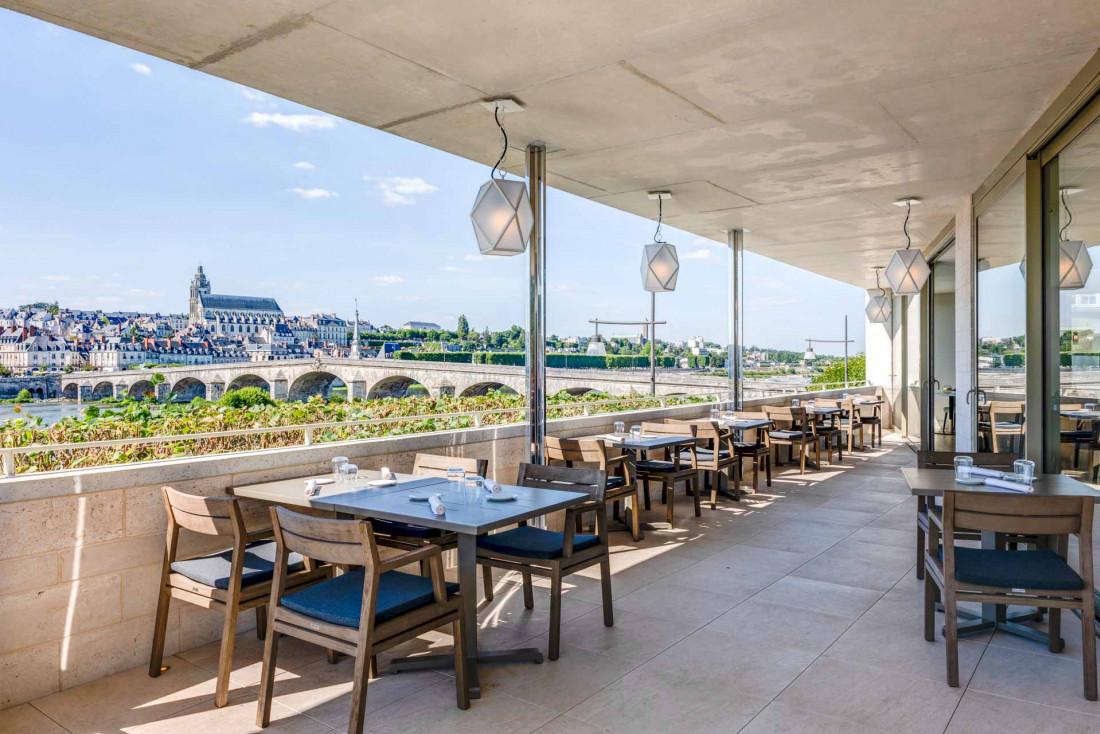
x: 396, y: 386
x: 71, y: 391
x: 187, y: 389
x: 103, y: 390
x: 479, y: 389
x: 312, y: 384
x: 580, y: 390
x: 248, y: 380
x: 142, y: 389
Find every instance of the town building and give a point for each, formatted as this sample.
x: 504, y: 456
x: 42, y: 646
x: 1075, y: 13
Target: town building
x: 27, y: 349
x: 230, y: 315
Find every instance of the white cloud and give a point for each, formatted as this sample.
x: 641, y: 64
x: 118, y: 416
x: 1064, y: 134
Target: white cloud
x: 388, y: 280
x: 253, y: 95
x: 700, y: 254
x: 297, y: 123
x: 314, y: 193
x: 304, y: 166
x: 456, y: 269
x: 57, y: 278
x: 142, y: 69
x: 400, y: 190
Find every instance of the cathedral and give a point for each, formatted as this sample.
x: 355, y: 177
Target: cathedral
x: 230, y: 316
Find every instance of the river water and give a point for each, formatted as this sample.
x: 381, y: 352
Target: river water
x: 50, y: 413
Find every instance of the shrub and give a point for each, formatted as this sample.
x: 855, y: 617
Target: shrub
x: 246, y: 397
x: 24, y: 396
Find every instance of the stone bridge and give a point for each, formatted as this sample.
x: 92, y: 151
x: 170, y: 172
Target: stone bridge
x: 366, y: 379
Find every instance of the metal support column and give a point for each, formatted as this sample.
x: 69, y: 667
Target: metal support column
x: 535, y: 363
x: 652, y: 343
x: 736, y: 241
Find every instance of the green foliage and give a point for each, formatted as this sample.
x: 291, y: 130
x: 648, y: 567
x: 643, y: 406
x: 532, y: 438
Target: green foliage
x: 463, y: 328
x: 464, y: 357
x: 156, y: 379
x: 833, y: 374
x: 1065, y: 359
x: 4, y: 371
x: 23, y: 396
x: 246, y: 397
x: 577, y: 361
x: 1017, y: 360
x: 91, y: 412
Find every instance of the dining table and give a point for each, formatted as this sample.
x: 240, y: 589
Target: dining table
x: 470, y: 513
x: 932, y: 483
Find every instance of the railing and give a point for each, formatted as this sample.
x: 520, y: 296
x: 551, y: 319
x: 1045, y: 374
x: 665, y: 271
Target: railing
x: 313, y: 433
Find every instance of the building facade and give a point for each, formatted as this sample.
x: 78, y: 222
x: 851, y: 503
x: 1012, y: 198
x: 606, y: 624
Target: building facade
x: 231, y: 316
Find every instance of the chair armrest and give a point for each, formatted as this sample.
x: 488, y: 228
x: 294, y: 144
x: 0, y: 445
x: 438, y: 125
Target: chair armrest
x: 414, y: 556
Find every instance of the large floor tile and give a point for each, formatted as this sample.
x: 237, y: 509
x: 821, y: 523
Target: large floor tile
x: 1046, y: 679
x: 820, y: 596
x: 775, y: 625
x: 683, y: 604
x: 982, y: 713
x: 634, y: 636
x: 433, y: 710
x: 26, y: 719
x: 779, y: 718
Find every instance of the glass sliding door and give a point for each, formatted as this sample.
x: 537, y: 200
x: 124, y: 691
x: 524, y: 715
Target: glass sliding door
x: 940, y: 398
x: 1071, y: 245
x: 1001, y: 321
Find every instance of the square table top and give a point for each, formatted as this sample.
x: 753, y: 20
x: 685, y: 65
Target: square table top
x: 1085, y: 415
x: 393, y: 503
x: 648, y: 442
x: 744, y: 424
x: 292, y: 491
x: 933, y: 483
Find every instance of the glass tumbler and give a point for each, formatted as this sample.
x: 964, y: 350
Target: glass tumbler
x: 349, y: 474
x: 1024, y: 469
x: 455, y: 474
x: 636, y: 431
x: 620, y: 428
x: 337, y: 462
x: 963, y: 465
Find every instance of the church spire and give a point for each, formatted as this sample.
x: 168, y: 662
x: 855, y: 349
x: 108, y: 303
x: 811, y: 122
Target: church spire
x: 355, y: 333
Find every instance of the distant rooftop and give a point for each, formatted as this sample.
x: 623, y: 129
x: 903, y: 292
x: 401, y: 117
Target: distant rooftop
x: 238, y: 303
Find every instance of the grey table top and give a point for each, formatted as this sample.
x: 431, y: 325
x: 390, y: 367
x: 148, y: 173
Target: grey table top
x: 393, y: 503
x: 647, y: 442
x: 933, y: 483
x: 744, y: 424
x: 1084, y: 415
x: 292, y: 491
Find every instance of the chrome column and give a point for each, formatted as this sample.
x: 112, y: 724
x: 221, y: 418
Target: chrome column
x: 535, y: 363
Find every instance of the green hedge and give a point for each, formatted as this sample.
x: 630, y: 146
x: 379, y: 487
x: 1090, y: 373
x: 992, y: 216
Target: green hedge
x: 575, y: 361
x: 1016, y: 360
x: 466, y: 357
x: 1064, y: 358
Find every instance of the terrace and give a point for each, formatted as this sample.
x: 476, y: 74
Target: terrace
x: 790, y: 131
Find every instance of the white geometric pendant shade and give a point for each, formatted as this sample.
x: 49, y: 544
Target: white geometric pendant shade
x: 879, y: 306
x: 660, y: 266
x: 502, y: 217
x: 1074, y: 265
x: 907, y: 272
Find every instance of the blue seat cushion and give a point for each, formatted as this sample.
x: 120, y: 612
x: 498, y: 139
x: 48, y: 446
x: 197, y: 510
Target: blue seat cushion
x: 533, y: 542
x: 259, y: 565
x: 1032, y: 569
x: 615, y: 482
x: 339, y: 600
x: 785, y: 435
x: 403, y: 529
x: 657, y: 465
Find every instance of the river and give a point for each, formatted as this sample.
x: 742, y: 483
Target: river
x: 50, y: 413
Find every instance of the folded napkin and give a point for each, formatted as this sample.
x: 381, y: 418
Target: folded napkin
x: 492, y: 486
x: 1005, y: 484
x: 612, y: 437
x: 387, y: 474
x: 983, y: 472
x: 436, y: 503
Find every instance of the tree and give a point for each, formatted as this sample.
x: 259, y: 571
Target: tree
x: 24, y: 396
x: 463, y: 328
x: 833, y: 374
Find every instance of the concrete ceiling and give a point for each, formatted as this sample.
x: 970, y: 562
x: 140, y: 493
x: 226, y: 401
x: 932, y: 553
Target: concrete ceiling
x: 799, y: 120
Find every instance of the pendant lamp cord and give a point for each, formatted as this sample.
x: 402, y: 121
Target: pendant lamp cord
x: 504, y: 142
x: 905, y: 227
x: 660, y: 216
x: 878, y: 286
x: 1069, y: 217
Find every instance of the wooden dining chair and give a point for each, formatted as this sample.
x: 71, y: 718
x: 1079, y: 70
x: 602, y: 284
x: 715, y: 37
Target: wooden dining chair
x: 753, y: 445
x: 792, y: 429
x: 362, y: 612
x: 669, y: 469
x: 532, y: 551
x: 872, y: 416
x: 232, y: 580
x: 927, y: 507
x: 1040, y: 577
x: 714, y: 457
x: 850, y: 422
x: 1005, y: 421
x: 619, y: 465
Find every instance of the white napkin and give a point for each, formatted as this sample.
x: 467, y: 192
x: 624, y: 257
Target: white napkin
x: 612, y: 437
x: 436, y: 503
x: 312, y: 488
x: 1005, y: 484
x: 387, y: 474
x: 492, y: 486
x: 983, y: 472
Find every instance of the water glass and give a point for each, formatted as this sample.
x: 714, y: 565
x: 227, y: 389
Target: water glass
x: 809, y: 404
x: 349, y: 474
x: 474, y: 489
x: 337, y: 462
x: 636, y: 432
x: 620, y: 428
x: 963, y: 465
x: 1089, y: 407
x: 794, y: 402
x: 1024, y: 469
x: 715, y: 414
x: 456, y: 474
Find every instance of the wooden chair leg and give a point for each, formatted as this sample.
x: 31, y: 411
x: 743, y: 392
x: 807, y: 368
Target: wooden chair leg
x: 555, y: 615
x: 528, y: 592
x: 605, y: 589
x: 1088, y: 643
x: 802, y: 458
x: 462, y: 691
x: 755, y: 473
x: 261, y: 622
x: 267, y: 679
x: 768, y: 470
x: 714, y: 489
x: 929, y: 607
x: 359, y: 691
x: 920, y: 552
x: 225, y: 657
x: 1054, y: 630
x: 332, y: 657
x: 951, y: 625
x: 635, y: 511
x: 487, y: 582
x: 374, y: 669
x: 695, y: 495
x: 669, y: 494
x: 645, y: 493
x: 160, y: 628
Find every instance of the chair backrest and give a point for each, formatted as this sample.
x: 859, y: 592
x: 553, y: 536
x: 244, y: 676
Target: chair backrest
x: 219, y: 515
x: 1006, y: 410
x: 592, y: 482
x: 786, y: 416
x: 753, y: 434
x: 1019, y: 514
x: 946, y: 459
x: 580, y: 450
x: 705, y: 429
x: 345, y: 542
x: 436, y: 465
x: 670, y: 429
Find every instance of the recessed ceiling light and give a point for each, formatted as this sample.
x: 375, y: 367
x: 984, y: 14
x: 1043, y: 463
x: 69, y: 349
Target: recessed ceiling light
x: 507, y: 105
x: 655, y: 195
x: 907, y: 201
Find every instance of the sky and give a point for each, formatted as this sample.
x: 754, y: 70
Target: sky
x: 123, y: 173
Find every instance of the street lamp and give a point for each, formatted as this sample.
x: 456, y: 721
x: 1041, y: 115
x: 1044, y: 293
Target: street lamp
x: 810, y: 356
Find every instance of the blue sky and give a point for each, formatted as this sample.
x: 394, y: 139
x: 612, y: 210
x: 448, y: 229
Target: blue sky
x: 124, y: 172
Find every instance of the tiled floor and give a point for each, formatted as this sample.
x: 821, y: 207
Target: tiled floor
x: 797, y: 611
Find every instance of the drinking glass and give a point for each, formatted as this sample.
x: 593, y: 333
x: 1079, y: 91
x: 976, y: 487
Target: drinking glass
x: 715, y: 414
x: 1089, y: 406
x: 455, y: 474
x: 794, y: 402
x: 963, y: 465
x: 635, y: 431
x: 349, y: 474
x: 620, y: 428
x: 474, y: 489
x: 1024, y: 469
x: 337, y: 462
x: 809, y: 403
